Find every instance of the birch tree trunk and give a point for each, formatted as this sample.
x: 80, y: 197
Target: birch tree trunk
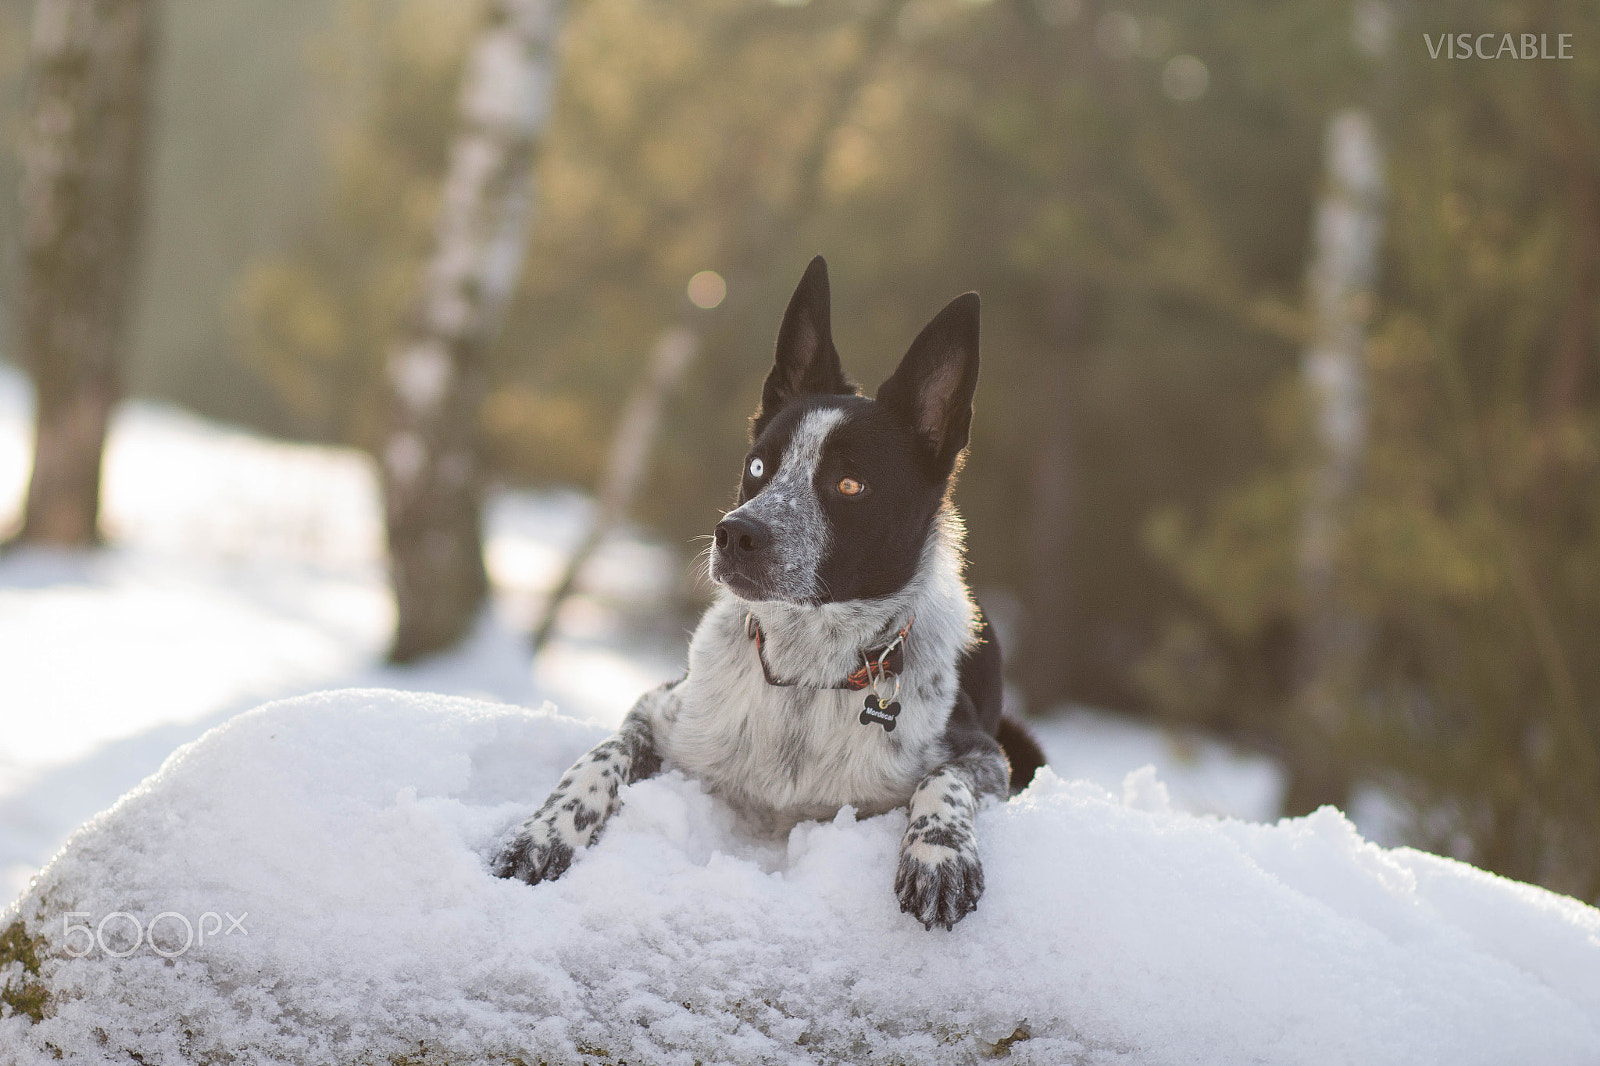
x: 1349, y: 228
x: 630, y: 454
x: 431, y: 454
x: 83, y: 153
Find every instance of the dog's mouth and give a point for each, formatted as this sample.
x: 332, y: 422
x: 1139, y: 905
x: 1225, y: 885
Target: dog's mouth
x: 737, y: 578
x: 746, y: 588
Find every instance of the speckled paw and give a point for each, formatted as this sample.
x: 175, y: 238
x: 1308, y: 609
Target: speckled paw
x: 938, y: 885
x: 535, y: 854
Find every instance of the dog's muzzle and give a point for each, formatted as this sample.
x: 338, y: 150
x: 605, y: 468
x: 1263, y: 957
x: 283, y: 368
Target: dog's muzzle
x: 742, y: 559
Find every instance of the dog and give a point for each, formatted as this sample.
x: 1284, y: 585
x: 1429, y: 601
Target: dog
x: 843, y: 660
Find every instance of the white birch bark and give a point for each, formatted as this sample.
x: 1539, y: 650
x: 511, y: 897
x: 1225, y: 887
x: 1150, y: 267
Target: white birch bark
x: 431, y: 455
x: 674, y: 351
x: 1344, y: 269
x: 1346, y: 239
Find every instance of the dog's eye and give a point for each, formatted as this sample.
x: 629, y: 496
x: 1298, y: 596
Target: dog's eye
x: 757, y: 467
x: 849, y: 486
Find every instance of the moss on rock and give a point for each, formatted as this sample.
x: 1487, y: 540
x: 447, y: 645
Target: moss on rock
x: 21, y: 990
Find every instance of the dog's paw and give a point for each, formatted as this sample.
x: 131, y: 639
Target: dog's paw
x: 543, y: 847
x: 939, y: 878
x: 536, y: 853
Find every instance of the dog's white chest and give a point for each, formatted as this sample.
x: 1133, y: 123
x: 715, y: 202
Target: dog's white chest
x: 788, y: 753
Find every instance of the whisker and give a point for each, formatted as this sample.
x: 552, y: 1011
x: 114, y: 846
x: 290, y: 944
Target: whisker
x: 700, y: 568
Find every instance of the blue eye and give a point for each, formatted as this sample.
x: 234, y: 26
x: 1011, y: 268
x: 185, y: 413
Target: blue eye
x: 757, y: 467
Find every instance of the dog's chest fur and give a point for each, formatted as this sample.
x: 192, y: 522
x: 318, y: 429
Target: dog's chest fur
x: 785, y: 754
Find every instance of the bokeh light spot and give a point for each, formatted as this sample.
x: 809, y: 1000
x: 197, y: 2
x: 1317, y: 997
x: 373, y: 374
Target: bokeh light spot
x: 1185, y: 78
x: 1117, y: 34
x: 707, y: 289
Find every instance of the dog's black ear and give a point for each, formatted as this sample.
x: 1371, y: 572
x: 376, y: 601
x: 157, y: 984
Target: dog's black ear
x: 933, y: 385
x: 805, y: 361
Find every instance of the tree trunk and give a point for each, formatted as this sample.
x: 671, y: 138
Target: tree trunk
x: 1349, y: 227
x: 83, y: 168
x: 431, y: 456
x: 674, y: 350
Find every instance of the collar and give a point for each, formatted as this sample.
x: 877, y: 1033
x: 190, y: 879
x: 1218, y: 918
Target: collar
x: 877, y: 664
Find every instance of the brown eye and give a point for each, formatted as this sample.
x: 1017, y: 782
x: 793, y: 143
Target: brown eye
x: 849, y: 486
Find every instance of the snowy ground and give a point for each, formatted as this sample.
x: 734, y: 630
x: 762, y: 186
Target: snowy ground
x: 347, y: 835
x: 248, y: 569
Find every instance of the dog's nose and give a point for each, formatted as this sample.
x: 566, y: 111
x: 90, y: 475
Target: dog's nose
x: 740, y: 536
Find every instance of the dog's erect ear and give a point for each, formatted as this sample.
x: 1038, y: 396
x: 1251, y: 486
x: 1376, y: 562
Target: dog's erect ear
x: 805, y: 361
x: 933, y: 385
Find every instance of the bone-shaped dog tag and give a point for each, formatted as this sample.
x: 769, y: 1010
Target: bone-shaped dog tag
x: 877, y: 711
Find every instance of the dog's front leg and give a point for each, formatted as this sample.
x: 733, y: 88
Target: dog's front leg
x: 939, y: 878
x: 543, y: 847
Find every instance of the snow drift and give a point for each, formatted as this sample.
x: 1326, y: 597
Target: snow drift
x: 345, y: 833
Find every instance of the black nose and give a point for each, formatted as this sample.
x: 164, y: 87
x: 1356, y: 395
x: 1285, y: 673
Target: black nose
x: 740, y: 536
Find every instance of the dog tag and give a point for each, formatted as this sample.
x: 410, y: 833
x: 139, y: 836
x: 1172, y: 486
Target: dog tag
x: 877, y: 711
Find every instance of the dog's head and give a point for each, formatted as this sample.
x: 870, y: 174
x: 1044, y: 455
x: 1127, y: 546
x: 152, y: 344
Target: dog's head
x: 840, y: 492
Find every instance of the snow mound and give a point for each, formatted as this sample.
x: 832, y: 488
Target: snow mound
x: 346, y: 834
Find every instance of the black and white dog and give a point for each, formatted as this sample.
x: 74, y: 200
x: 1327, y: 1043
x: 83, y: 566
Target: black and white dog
x: 844, y: 661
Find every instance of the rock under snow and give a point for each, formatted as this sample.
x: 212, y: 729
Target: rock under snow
x: 346, y: 835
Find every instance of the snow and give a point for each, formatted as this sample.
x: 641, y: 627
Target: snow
x: 350, y: 830
x: 1201, y: 776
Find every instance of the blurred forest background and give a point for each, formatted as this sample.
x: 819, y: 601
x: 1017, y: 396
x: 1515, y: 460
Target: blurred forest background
x: 1289, y: 423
